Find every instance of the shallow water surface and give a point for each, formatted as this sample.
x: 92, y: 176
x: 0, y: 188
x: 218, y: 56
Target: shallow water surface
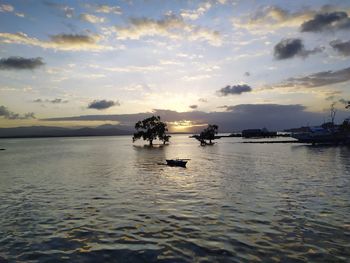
x: 101, y: 199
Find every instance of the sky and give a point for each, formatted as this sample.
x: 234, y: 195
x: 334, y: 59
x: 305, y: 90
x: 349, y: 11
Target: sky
x: 240, y: 64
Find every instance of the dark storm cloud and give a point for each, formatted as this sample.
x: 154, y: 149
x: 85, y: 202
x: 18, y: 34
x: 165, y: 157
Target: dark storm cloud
x: 341, y: 47
x: 53, y: 101
x: 102, y: 104
x: 235, y: 118
x: 288, y: 48
x: 327, y: 21
x: 20, y: 63
x: 5, y: 113
x: 234, y: 90
x: 292, y: 47
x: 193, y: 107
x: 318, y: 79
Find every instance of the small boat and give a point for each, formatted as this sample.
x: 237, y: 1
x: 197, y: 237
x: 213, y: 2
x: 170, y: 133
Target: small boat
x: 177, y: 162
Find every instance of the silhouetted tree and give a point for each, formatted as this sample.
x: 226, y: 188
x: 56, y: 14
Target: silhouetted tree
x: 208, y: 133
x: 345, y: 126
x: 165, y: 138
x: 150, y: 129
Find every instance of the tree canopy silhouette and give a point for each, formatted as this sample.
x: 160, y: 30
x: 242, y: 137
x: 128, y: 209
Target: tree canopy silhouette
x: 208, y: 133
x: 150, y: 129
x: 345, y: 126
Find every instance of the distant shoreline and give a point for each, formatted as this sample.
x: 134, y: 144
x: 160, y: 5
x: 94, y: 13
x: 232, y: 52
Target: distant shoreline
x: 72, y: 136
x: 101, y: 131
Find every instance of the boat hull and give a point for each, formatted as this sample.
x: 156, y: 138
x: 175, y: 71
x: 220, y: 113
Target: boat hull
x: 180, y: 163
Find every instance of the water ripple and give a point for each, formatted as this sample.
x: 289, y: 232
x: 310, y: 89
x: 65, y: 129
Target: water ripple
x: 103, y: 200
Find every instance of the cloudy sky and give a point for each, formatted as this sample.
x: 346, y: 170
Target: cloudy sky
x: 241, y: 64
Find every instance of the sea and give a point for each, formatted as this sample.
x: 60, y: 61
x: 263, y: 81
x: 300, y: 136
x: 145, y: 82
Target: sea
x: 105, y: 199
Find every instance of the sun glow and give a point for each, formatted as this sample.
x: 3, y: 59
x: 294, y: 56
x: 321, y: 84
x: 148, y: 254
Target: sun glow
x: 184, y: 126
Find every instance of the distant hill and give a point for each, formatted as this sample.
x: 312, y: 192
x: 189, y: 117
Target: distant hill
x: 48, y: 131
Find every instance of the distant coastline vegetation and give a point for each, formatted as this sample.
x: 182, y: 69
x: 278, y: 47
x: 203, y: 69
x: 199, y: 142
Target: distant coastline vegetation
x: 152, y: 128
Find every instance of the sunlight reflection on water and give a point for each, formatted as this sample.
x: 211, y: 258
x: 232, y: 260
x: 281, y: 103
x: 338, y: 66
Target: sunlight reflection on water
x: 102, y: 199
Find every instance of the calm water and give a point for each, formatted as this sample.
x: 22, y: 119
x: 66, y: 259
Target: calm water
x: 104, y: 200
